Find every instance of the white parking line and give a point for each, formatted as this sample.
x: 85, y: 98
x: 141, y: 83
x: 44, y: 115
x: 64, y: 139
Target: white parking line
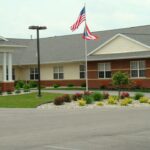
x: 59, y: 148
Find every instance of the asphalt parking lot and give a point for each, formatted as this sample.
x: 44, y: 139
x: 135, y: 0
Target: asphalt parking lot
x: 83, y: 129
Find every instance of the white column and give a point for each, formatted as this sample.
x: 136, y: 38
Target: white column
x: 9, y: 66
x: 4, y: 66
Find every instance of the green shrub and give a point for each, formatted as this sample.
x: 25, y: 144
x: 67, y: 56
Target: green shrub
x: 81, y: 102
x: 88, y: 99
x: 26, y: 88
x: 83, y: 85
x: 143, y: 99
x: 66, y: 98
x: 1, y: 92
x: 33, y: 84
x: 97, y: 96
x: 137, y: 96
x: 56, y: 85
x: 70, y: 85
x: 129, y: 100
x: 112, y: 100
x: 9, y: 92
x: 58, y: 101
x: 20, y: 83
x: 99, y: 104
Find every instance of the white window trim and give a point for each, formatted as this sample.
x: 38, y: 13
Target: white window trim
x: 58, y: 66
x: 33, y: 73
x: 138, y: 69
x: 104, y: 70
x: 82, y: 71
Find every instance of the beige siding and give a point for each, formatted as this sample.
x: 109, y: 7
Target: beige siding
x: 120, y: 45
x: 1, y: 73
x: 71, y: 71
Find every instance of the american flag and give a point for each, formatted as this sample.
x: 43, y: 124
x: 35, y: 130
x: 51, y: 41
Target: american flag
x: 80, y: 19
x: 87, y: 35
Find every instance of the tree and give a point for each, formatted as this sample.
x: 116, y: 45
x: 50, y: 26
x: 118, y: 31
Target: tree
x: 120, y: 79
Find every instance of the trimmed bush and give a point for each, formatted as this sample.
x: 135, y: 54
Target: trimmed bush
x: 77, y: 96
x: 143, y: 99
x: 137, y: 96
x: 26, y: 88
x: 81, y: 102
x: 70, y: 85
x: 99, y: 104
x: 124, y: 95
x: 66, y: 98
x: 20, y: 83
x: 105, y: 95
x: 0, y: 92
x: 56, y: 85
x: 33, y: 84
x: 129, y: 100
x: 9, y: 92
x: 83, y: 85
x: 59, y: 101
x: 97, y: 96
x: 88, y: 99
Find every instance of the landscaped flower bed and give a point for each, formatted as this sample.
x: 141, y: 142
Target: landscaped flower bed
x: 97, y: 99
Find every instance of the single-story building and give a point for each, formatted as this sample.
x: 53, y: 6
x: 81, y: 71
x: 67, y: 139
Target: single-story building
x: 63, y: 58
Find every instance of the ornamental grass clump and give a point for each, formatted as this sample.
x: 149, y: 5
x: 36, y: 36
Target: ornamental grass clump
x: 81, y: 102
x: 100, y: 103
x: 124, y: 102
x: 144, y: 99
x: 97, y: 96
x: 137, y: 96
x: 112, y: 100
x: 59, y: 100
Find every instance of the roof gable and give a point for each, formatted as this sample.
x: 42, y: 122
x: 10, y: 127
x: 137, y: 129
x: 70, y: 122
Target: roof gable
x: 120, y: 44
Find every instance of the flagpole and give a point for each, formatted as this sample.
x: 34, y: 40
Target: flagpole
x: 86, y: 65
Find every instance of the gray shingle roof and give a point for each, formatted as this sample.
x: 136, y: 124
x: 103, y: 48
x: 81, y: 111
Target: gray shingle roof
x: 71, y: 47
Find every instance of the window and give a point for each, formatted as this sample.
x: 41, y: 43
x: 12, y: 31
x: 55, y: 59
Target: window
x: 82, y: 71
x: 58, y: 72
x: 13, y: 73
x: 104, y: 70
x: 137, y: 68
x: 33, y: 73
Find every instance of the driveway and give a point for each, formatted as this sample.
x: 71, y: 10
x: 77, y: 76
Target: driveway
x: 83, y: 129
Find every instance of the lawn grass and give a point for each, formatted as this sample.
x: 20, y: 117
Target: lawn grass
x: 26, y: 100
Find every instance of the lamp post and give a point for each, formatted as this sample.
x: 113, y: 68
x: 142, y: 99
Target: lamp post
x: 37, y: 28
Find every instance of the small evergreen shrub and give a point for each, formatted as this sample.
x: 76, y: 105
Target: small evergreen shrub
x: 100, y: 104
x: 105, y: 95
x: 124, y: 94
x: 143, y: 99
x: 20, y: 83
x: 1, y: 92
x: 26, y: 88
x: 56, y: 85
x: 9, y: 92
x: 112, y: 100
x: 33, y: 84
x: 77, y: 96
x: 66, y: 98
x: 81, y: 102
x: 137, y: 96
x: 59, y: 100
x: 88, y: 99
x: 70, y: 85
x: 17, y: 87
x: 97, y: 96
x: 83, y: 85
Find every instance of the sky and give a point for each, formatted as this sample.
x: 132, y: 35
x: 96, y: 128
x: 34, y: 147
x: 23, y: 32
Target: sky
x: 58, y: 15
